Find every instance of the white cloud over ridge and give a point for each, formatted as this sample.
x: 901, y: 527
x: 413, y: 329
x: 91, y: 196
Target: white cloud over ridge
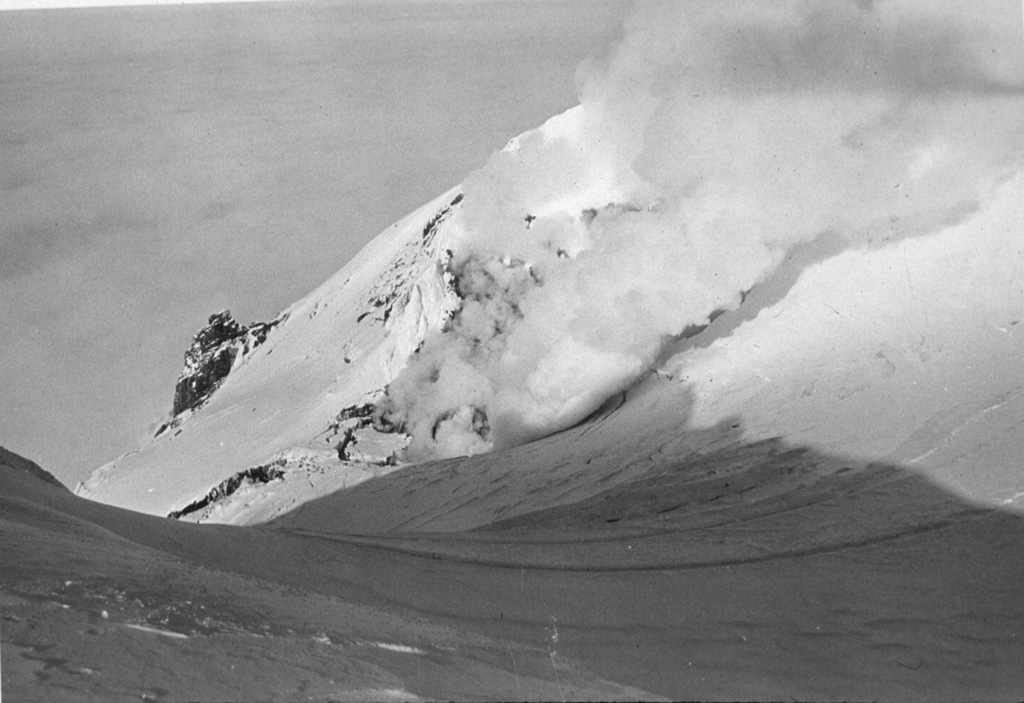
x: 714, y: 139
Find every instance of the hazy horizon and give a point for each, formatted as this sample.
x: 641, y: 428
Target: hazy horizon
x: 163, y: 163
x: 11, y: 5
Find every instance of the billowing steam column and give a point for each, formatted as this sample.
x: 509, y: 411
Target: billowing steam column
x: 715, y: 139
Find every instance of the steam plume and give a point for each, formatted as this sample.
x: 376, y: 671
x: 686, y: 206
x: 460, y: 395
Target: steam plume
x: 716, y: 137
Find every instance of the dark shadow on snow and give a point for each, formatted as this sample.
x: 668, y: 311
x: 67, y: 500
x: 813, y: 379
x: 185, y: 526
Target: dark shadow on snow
x: 748, y: 571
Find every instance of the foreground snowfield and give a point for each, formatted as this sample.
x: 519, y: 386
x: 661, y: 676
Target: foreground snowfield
x: 102, y: 604
x: 751, y: 571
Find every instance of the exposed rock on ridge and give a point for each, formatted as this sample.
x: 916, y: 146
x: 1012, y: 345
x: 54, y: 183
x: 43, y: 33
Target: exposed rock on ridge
x: 214, y: 351
x: 254, y: 475
x: 339, y: 347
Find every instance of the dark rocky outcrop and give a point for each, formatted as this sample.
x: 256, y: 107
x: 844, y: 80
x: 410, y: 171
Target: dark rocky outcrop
x: 252, y: 476
x: 346, y: 422
x: 207, y: 361
x: 213, y: 354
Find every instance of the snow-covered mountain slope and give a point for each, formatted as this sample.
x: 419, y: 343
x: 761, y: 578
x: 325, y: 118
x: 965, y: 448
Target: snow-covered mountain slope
x: 916, y: 364
x: 828, y: 253
x: 766, y: 568
x: 285, y: 401
x: 906, y: 351
x: 93, y: 597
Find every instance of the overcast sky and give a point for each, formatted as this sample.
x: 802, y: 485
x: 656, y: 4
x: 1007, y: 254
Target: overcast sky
x: 158, y: 164
x: 54, y: 4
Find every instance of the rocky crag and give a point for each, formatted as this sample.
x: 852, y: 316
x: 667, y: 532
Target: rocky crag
x: 216, y: 349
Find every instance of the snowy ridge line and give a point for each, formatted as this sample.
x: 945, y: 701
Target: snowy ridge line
x: 327, y: 356
x: 396, y: 284
x: 14, y: 462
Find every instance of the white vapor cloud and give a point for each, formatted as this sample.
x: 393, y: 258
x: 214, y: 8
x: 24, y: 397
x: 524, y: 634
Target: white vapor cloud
x: 715, y: 138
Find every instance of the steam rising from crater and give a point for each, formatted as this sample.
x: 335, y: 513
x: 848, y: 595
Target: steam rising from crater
x: 715, y: 138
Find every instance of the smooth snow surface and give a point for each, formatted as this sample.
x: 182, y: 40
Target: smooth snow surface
x: 744, y: 571
x: 102, y: 604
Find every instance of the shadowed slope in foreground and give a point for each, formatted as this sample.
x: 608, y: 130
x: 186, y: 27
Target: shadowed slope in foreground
x: 103, y: 604
x: 756, y: 571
